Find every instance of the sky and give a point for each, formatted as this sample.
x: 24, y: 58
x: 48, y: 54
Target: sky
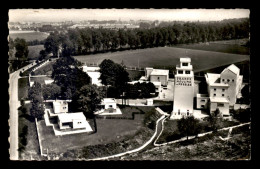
x: 57, y: 15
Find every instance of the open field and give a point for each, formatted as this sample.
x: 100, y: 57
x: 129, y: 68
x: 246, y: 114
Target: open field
x: 167, y: 57
x: 29, y: 36
x: 34, y: 51
x: 108, y: 130
x: 23, y: 85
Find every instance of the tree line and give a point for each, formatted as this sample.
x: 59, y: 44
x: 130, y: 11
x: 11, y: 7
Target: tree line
x: 90, y: 40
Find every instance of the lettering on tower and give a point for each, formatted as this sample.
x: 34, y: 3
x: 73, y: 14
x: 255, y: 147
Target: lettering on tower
x: 183, y: 81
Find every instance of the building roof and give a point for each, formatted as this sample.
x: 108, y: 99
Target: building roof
x: 159, y: 72
x: 90, y: 69
x: 212, y: 77
x: 186, y: 59
x: 219, y: 99
x: 69, y: 117
x: 233, y: 68
x: 108, y: 100
x: 202, y: 95
x: 58, y: 105
x: 95, y: 78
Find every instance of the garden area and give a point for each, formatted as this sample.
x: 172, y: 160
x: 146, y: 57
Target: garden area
x: 28, y: 141
x: 23, y: 86
x: 112, y: 136
x: 44, y: 70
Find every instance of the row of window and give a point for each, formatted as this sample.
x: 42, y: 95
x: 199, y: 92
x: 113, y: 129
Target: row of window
x: 181, y: 72
x: 184, y: 64
x: 223, y: 90
x: 228, y: 80
x: 223, y: 95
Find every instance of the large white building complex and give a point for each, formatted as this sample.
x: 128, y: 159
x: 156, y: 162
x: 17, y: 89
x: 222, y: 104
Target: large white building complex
x: 183, y: 89
x: 222, y: 91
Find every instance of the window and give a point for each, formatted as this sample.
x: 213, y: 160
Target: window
x: 214, y: 94
x: 215, y: 89
x: 180, y: 72
x: 220, y: 104
x: 203, y: 100
x: 110, y: 106
x: 223, y: 95
x: 184, y: 64
x: 223, y: 90
x: 202, y: 106
x: 233, y: 80
x: 158, y: 78
x: 187, y: 113
x: 187, y: 72
x: 64, y: 108
x: 223, y: 80
x: 179, y: 112
x: 228, y: 80
x: 79, y: 122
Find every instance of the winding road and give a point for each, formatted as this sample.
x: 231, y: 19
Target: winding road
x: 14, y: 104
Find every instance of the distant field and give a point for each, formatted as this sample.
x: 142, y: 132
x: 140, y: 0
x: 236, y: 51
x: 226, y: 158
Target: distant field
x: 34, y: 51
x: 29, y: 36
x: 225, y: 47
x: 167, y: 57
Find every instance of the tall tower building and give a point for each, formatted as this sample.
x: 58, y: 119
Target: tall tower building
x: 183, y: 90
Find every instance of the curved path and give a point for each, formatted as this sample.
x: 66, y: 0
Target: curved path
x: 14, y: 104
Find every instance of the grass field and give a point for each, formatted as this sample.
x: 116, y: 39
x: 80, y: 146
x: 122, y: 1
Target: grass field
x: 29, y: 36
x: 167, y: 57
x: 45, y: 70
x: 34, y: 51
x: 23, y: 85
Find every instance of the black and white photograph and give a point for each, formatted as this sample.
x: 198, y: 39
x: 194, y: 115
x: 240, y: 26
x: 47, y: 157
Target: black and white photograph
x: 129, y: 84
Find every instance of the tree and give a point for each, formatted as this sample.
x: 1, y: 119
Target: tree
x: 113, y: 74
x: 189, y: 126
x: 35, y: 91
x: 51, y: 91
x: 37, y: 110
x: 87, y: 99
x: 214, y: 119
x: 21, y: 48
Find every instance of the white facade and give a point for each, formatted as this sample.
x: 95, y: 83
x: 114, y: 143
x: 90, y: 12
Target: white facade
x: 183, y: 90
x: 72, y: 121
x: 202, y: 101
x: 60, y: 106
x: 157, y: 75
x: 93, y: 73
x: 224, y: 88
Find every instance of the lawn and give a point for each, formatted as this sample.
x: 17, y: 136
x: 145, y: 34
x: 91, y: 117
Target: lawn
x: 32, y: 147
x: 167, y: 57
x: 40, y: 80
x: 23, y: 86
x: 29, y: 36
x: 34, y: 51
x: 45, y: 70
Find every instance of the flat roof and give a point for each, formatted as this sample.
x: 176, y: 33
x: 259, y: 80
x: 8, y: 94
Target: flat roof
x: 186, y: 59
x: 109, y: 100
x: 68, y: 117
x: 202, y: 95
x: 160, y: 72
x: 60, y: 102
x: 219, y: 99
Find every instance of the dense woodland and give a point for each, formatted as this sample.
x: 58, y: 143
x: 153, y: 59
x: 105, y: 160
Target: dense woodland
x: 90, y: 40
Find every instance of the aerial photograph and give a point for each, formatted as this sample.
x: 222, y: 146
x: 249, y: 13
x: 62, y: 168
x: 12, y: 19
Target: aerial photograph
x: 129, y: 84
